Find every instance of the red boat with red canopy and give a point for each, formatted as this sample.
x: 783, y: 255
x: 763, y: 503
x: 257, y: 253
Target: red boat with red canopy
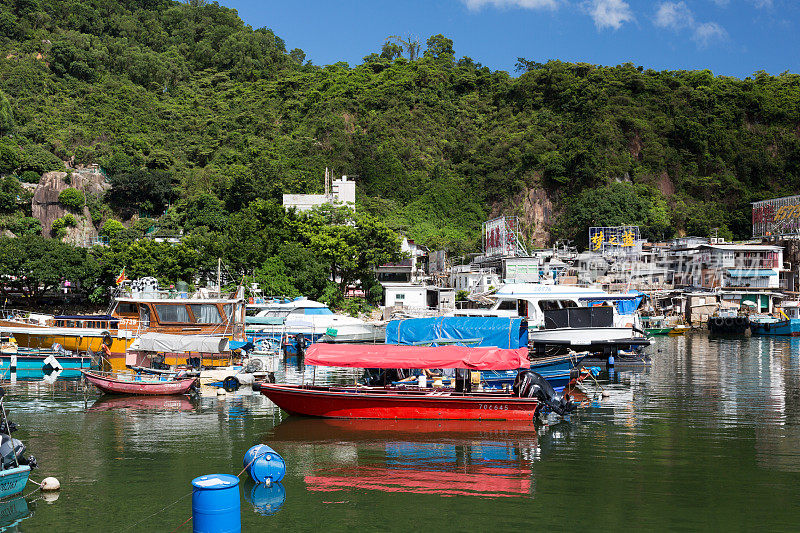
x: 405, y: 402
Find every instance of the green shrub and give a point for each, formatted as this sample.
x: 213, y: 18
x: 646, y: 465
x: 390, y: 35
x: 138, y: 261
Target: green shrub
x: 72, y: 199
x: 30, y: 176
x: 69, y: 220
x: 38, y: 159
x: 58, y: 229
x: 22, y: 226
x: 111, y: 228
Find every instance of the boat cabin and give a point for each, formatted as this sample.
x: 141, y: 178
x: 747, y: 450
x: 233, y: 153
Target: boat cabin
x: 86, y: 321
x: 180, y: 315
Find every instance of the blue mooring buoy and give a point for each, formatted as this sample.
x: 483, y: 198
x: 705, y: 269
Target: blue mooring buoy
x: 216, y: 507
x: 264, y: 464
x: 266, y: 500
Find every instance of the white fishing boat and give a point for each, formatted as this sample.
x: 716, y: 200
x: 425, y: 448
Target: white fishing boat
x: 277, y: 319
x: 576, y: 318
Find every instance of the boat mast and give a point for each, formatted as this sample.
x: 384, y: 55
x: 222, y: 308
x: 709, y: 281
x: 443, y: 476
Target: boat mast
x: 219, y: 277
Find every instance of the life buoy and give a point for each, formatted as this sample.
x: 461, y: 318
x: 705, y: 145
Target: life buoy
x: 107, y: 339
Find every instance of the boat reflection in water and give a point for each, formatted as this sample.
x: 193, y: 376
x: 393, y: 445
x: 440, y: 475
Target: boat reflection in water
x: 142, y: 403
x: 12, y: 512
x: 444, y: 457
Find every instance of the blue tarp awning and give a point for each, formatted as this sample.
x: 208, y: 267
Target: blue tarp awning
x: 751, y: 272
x: 243, y: 345
x: 503, y: 332
x: 626, y: 304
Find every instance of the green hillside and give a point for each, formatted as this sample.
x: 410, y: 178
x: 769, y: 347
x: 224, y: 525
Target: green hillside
x: 201, y: 123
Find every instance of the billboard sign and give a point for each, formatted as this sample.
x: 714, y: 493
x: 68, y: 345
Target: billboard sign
x: 615, y: 239
x: 500, y: 237
x: 780, y: 216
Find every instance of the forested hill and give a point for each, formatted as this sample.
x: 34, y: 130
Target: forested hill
x: 183, y: 105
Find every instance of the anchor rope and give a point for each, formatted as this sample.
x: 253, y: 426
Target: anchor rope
x: 159, y: 511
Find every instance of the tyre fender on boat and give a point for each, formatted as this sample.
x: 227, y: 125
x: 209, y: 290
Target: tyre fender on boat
x: 230, y: 384
x: 107, y: 339
x: 729, y: 321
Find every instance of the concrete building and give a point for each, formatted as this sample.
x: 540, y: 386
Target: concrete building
x: 412, y: 269
x: 473, y: 279
x: 341, y: 192
x: 741, y: 265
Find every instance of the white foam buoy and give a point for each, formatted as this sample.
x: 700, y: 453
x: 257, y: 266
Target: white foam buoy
x: 220, y: 392
x: 50, y: 483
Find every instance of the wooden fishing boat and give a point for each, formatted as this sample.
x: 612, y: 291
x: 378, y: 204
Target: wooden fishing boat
x: 407, y: 402
x: 133, y: 384
x: 373, y: 402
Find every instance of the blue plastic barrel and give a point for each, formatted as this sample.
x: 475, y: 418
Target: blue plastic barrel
x: 215, y: 504
x: 266, y: 500
x: 265, y: 464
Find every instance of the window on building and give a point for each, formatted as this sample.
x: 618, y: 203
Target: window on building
x: 400, y: 296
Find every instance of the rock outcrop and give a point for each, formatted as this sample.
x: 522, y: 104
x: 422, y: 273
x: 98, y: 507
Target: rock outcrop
x: 534, y: 208
x: 45, y: 206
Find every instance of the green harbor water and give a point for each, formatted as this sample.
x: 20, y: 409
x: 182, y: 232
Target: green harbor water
x: 706, y: 438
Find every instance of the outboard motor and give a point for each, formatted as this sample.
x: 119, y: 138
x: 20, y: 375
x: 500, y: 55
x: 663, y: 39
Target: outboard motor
x: 529, y: 384
x: 12, y: 452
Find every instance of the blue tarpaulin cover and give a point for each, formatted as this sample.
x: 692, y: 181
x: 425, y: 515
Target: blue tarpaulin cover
x: 627, y: 307
x: 625, y: 304
x: 502, y: 332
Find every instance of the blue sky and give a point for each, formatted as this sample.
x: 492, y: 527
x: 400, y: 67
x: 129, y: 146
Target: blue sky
x: 729, y: 37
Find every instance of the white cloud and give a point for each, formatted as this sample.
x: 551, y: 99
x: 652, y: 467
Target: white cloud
x: 707, y: 32
x: 525, y: 4
x: 674, y: 15
x: 677, y: 16
x: 610, y: 13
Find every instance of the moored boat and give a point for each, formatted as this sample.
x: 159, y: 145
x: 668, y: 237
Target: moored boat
x: 132, y: 384
x: 276, y: 319
x: 728, y: 323
x: 140, y: 307
x: 14, y: 466
x: 786, y: 323
x: 412, y: 402
x: 655, y: 325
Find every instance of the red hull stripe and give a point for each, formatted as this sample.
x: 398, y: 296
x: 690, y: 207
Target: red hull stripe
x: 394, y: 405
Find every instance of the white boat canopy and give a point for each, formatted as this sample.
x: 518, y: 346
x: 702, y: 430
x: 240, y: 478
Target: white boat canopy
x: 164, y: 342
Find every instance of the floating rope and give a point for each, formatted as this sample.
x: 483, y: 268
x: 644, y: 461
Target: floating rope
x: 159, y: 511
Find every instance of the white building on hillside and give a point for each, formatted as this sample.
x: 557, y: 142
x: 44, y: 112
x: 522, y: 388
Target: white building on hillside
x: 341, y: 192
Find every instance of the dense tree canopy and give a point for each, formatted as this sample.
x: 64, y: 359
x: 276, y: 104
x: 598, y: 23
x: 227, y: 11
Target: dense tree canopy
x: 201, y: 123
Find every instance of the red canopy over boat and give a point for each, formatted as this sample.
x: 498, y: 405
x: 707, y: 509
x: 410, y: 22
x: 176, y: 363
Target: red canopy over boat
x: 395, y: 356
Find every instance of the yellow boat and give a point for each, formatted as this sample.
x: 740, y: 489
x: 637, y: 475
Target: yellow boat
x: 110, y: 336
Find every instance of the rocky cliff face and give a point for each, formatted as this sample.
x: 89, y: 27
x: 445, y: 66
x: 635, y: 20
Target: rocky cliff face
x: 45, y: 206
x: 534, y: 208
